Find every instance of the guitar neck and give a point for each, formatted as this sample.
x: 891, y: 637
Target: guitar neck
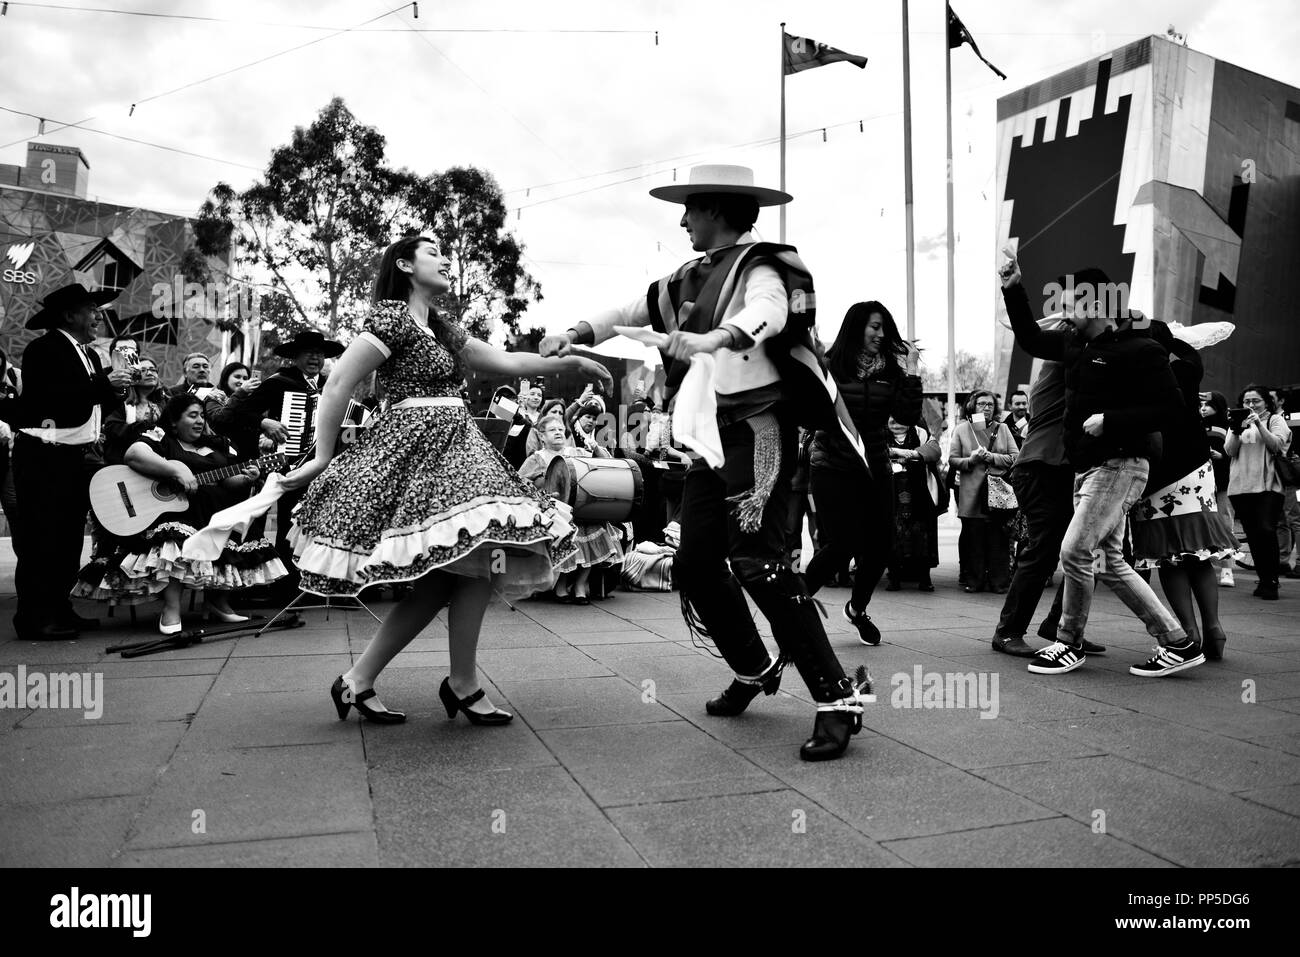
x: 230, y: 471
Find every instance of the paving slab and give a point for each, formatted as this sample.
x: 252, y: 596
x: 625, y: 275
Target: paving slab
x: 519, y: 817
x: 582, y: 703
x: 130, y: 701
x: 1170, y: 817
x: 1213, y: 761
x: 87, y: 760
x: 1033, y: 844
x: 775, y: 829
x: 258, y: 793
x: 71, y: 834
x: 887, y: 790
x: 674, y: 759
x: 356, y: 849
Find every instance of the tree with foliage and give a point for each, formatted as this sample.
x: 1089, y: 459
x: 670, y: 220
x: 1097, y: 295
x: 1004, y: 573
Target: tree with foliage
x: 316, y: 222
x: 467, y: 216
x: 973, y: 372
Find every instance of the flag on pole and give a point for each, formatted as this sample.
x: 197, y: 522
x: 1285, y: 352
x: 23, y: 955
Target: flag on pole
x: 804, y: 54
x: 958, y: 34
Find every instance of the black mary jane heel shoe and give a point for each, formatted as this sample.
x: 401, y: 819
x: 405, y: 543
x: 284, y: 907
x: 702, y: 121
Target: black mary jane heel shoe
x: 345, y: 698
x: 837, y: 721
x: 454, y: 704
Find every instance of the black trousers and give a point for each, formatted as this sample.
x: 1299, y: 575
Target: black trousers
x: 713, y: 594
x: 1260, y: 514
x: 52, y: 484
x: 855, y: 517
x: 1046, y: 496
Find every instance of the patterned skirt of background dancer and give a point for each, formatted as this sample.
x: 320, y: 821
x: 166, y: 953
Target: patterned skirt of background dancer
x: 1181, y: 522
x: 141, y: 566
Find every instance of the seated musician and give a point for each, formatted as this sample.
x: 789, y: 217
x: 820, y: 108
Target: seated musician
x: 266, y: 409
x: 598, y: 542
x: 179, y: 450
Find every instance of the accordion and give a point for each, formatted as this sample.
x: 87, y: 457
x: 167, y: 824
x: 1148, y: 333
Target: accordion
x: 298, y: 416
x: 298, y: 412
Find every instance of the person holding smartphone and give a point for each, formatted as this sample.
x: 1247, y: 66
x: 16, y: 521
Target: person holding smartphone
x: 1257, y: 434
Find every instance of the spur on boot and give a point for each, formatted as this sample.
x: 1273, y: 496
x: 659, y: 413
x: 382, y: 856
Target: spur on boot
x: 345, y: 697
x: 837, y: 721
x: 454, y: 704
x: 737, y: 695
x: 868, y: 633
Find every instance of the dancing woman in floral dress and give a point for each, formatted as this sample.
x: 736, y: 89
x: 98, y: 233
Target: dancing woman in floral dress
x: 423, y: 496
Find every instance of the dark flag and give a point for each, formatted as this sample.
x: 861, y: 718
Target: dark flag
x: 804, y: 54
x: 958, y: 34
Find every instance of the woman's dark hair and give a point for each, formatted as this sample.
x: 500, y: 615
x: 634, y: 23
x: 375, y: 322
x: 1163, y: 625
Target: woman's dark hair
x: 549, y: 406
x: 1264, y: 393
x: 737, y: 211
x: 1219, y: 403
x: 976, y: 396
x: 391, y: 284
x: 175, y: 408
x: 223, y: 381
x: 843, y: 355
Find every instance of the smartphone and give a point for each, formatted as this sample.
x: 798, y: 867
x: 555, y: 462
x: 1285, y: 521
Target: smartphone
x: 1237, y: 418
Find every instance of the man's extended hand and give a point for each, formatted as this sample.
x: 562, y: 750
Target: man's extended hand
x: 556, y: 345
x: 683, y: 345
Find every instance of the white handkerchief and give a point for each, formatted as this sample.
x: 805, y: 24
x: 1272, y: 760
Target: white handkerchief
x: 695, y: 414
x: 206, y: 544
x: 643, y: 334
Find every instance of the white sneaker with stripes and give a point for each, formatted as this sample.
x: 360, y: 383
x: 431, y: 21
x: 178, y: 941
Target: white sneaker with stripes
x: 1057, y: 659
x: 1168, y: 661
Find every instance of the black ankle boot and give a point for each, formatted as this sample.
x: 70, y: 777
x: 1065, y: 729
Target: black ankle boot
x: 837, y: 721
x: 737, y: 695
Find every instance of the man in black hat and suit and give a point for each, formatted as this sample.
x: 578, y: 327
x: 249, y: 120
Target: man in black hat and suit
x: 263, y: 409
x: 57, y: 422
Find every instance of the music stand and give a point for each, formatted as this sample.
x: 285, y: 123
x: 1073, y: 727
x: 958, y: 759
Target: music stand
x: 294, y: 606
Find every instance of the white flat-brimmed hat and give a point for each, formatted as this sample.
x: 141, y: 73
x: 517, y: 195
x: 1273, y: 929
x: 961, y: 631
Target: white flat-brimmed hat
x: 720, y: 179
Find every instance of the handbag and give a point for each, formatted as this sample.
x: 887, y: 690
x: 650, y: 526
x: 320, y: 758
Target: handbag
x: 1288, y: 468
x: 999, y: 495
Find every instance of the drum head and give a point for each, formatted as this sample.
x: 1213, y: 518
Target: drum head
x: 561, y: 480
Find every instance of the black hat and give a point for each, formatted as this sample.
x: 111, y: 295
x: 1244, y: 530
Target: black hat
x: 69, y: 297
x: 311, y: 339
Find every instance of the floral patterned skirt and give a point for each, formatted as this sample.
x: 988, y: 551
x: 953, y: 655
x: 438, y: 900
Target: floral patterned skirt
x: 142, y: 566
x: 424, y: 490
x: 1181, y: 522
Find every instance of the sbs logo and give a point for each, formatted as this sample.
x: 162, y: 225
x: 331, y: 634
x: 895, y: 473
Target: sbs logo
x: 18, y: 254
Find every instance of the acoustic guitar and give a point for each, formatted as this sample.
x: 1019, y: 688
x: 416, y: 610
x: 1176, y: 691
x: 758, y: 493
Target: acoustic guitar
x: 126, y: 502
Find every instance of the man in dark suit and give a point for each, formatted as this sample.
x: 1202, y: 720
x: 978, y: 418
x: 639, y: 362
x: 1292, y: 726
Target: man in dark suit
x: 56, y: 427
x: 263, y: 409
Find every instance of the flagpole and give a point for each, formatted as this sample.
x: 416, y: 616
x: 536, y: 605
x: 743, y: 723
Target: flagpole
x: 952, y: 240
x: 781, y: 62
x: 907, y: 179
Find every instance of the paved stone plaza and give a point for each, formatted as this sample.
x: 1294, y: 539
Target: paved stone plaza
x: 231, y: 754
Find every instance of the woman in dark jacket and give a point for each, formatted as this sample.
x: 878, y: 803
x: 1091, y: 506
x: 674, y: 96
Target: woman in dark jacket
x: 1177, y: 527
x: 235, y: 386
x: 876, y: 372
x: 913, y: 455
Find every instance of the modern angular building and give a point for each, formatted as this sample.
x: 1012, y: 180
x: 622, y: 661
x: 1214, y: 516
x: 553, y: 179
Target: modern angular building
x: 52, y: 234
x: 1177, y: 174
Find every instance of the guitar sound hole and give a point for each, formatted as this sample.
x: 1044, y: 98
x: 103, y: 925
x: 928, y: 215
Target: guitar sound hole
x: 165, y: 491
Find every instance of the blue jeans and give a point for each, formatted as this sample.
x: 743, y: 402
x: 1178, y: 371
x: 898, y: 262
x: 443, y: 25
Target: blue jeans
x: 1102, y: 498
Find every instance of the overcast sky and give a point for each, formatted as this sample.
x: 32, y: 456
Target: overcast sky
x: 545, y: 108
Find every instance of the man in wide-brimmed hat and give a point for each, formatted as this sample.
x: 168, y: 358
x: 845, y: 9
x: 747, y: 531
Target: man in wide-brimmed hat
x: 751, y: 306
x: 57, y: 425
x: 263, y: 409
